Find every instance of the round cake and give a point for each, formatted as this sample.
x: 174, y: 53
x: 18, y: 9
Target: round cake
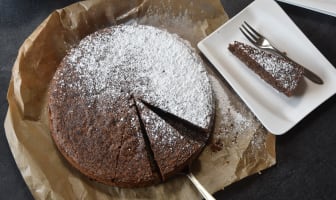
x: 131, y: 105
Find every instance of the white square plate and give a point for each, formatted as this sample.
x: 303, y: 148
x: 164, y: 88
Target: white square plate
x: 277, y: 112
x: 323, y: 6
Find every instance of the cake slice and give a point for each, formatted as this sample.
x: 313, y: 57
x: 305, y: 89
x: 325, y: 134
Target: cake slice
x: 172, y: 149
x: 283, y: 74
x: 135, y: 166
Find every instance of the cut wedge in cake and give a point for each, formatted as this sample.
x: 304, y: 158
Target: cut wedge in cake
x: 135, y: 164
x: 173, y: 148
x: 283, y: 74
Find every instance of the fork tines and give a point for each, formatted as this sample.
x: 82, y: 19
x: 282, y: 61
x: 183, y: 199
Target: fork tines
x: 250, y: 33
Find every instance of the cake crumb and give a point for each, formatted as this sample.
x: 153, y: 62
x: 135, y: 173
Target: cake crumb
x: 217, y: 145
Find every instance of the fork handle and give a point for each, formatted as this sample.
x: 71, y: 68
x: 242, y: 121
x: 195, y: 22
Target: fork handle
x: 312, y: 76
x: 306, y: 72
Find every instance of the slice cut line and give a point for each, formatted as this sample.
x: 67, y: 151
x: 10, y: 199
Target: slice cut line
x: 198, y: 132
x: 150, y: 152
x: 134, y: 162
x: 172, y: 148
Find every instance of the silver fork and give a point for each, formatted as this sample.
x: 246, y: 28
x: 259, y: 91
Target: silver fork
x: 262, y: 42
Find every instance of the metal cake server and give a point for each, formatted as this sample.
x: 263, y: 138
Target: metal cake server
x: 206, y: 195
x: 188, y: 173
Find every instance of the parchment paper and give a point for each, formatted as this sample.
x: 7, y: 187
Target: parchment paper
x: 239, y: 147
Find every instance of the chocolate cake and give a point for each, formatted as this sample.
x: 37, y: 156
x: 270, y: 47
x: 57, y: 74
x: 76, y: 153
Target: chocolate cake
x: 95, y: 122
x: 283, y: 74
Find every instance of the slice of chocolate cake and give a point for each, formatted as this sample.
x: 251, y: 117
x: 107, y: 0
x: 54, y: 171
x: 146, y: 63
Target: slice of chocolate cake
x: 172, y: 149
x: 135, y: 165
x: 283, y: 74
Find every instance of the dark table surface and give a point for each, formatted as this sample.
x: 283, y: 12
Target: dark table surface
x: 306, y: 155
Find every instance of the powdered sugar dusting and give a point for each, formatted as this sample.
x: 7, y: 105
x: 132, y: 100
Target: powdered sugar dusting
x: 155, y: 126
x: 142, y: 61
x: 285, y: 72
x: 171, y: 148
x: 232, y: 121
